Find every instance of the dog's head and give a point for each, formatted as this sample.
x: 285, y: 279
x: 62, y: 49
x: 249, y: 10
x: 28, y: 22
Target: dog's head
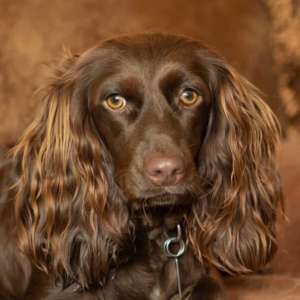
x: 149, y: 119
x: 150, y: 99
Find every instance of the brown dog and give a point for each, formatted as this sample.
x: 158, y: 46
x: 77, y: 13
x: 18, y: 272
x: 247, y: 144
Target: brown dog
x: 139, y: 140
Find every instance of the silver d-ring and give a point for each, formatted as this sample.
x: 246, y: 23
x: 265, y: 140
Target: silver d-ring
x: 174, y: 240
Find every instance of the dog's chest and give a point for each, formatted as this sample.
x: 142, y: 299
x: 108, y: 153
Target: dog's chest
x: 157, y: 274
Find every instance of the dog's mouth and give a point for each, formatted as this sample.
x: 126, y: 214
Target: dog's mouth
x: 165, y: 199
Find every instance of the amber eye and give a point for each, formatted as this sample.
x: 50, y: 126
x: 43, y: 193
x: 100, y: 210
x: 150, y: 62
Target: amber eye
x: 188, y: 97
x: 116, y: 102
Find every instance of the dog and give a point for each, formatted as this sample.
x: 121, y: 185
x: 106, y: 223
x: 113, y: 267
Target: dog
x: 150, y: 162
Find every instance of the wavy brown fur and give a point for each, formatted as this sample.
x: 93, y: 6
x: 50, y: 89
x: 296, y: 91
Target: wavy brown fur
x: 65, y: 217
x: 76, y: 208
x: 241, y: 186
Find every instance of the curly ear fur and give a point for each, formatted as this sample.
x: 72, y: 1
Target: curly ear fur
x: 233, y: 223
x: 70, y: 218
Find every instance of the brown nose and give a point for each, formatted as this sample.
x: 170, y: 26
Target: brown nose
x: 164, y: 169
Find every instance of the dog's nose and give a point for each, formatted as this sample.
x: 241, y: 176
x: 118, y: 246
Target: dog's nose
x: 164, y: 169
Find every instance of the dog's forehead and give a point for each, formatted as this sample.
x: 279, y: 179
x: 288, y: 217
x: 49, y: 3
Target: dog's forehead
x: 157, y: 45
x: 146, y: 67
x: 150, y: 53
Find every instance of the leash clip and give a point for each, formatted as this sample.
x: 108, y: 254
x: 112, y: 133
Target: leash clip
x: 168, y: 252
x: 174, y: 240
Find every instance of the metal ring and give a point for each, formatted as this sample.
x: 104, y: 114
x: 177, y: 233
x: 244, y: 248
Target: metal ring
x: 174, y: 240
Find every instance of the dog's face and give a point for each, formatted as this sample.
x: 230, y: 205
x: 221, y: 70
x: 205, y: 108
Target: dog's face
x: 150, y: 104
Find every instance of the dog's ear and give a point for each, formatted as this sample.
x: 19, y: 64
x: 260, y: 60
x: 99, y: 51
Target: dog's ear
x: 70, y: 218
x: 233, y: 223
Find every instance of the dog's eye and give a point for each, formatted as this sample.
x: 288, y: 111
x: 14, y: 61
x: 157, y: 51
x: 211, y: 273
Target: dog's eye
x: 188, y: 97
x: 116, y: 102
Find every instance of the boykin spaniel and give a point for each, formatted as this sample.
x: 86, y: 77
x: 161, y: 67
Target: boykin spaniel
x: 150, y: 162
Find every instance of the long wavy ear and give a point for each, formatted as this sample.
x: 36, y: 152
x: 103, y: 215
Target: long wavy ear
x: 70, y: 219
x: 233, y: 224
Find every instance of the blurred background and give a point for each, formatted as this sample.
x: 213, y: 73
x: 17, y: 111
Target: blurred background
x: 261, y: 38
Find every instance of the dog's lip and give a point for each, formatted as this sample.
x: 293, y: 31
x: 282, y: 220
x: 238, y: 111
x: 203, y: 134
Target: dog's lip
x: 165, y: 199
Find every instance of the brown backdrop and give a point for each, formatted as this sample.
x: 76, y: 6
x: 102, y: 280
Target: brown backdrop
x: 260, y: 38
